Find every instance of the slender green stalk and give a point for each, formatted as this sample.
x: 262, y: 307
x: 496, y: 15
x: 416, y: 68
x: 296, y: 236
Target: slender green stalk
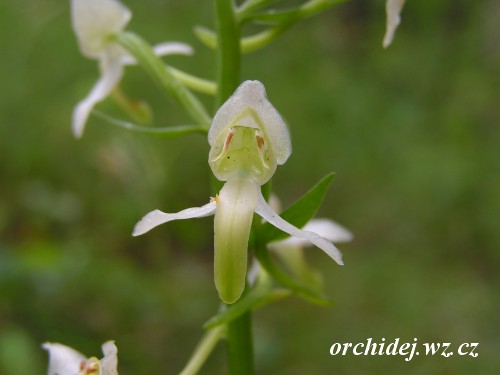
x: 204, y: 86
x: 228, y: 50
x: 163, y: 77
x: 239, y: 331
x: 264, y: 38
x: 251, y: 6
x: 240, y: 345
x: 168, y: 131
x: 203, y: 350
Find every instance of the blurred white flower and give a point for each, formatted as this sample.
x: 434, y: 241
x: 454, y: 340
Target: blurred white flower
x: 291, y: 249
x: 95, y: 22
x: 324, y: 227
x: 64, y: 360
x: 248, y: 140
x: 393, y: 9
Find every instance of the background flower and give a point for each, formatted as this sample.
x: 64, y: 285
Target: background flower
x: 95, y: 23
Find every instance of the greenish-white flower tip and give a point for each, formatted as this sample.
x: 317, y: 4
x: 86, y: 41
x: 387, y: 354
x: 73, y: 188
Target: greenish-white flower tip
x: 248, y: 136
x: 393, y: 10
x: 64, y: 360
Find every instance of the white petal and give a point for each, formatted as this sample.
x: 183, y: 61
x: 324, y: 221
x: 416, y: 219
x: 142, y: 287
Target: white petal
x: 162, y: 49
x: 111, y: 75
x: 63, y: 360
x: 273, y: 218
x: 157, y: 217
x: 393, y: 9
x: 172, y: 48
x: 252, y: 95
x: 95, y: 21
x: 327, y: 228
x: 109, y: 363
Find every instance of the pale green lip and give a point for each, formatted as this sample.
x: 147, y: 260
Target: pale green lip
x: 233, y: 220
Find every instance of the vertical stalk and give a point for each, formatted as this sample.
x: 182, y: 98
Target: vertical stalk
x: 240, y: 345
x: 239, y: 331
x: 228, y: 50
x: 202, y: 351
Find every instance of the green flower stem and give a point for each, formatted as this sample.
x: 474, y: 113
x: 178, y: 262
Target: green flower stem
x: 228, y: 50
x: 239, y: 331
x: 279, y: 21
x: 240, y: 345
x: 172, y: 86
x: 258, y: 41
x: 203, y: 350
x: 201, y: 85
x: 307, y: 9
x: 168, y: 131
x: 206, y: 36
x: 248, y: 44
x: 283, y: 20
x: 250, y: 6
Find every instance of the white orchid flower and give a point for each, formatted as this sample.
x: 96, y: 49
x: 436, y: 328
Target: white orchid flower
x: 64, y: 360
x: 248, y: 139
x: 393, y: 10
x: 95, y: 22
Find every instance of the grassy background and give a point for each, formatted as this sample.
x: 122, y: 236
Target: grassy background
x: 411, y: 131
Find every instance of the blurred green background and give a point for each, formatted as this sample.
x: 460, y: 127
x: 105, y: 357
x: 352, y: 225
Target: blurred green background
x: 411, y: 131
